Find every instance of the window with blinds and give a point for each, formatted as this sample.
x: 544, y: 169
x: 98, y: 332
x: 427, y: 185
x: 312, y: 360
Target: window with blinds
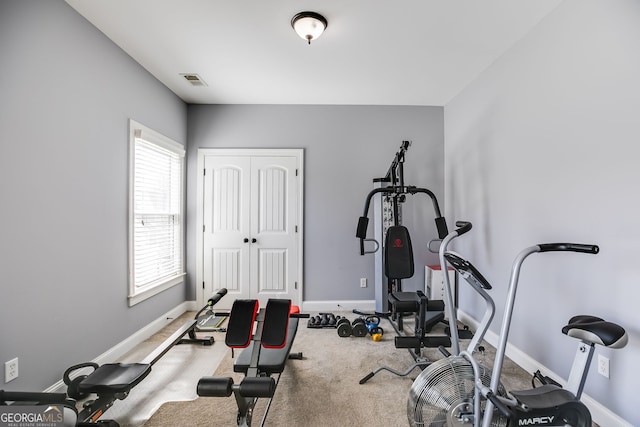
x: 156, y: 213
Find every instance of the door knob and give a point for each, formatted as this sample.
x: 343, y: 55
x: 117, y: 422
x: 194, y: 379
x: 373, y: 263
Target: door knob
x: 246, y: 240
x: 253, y: 240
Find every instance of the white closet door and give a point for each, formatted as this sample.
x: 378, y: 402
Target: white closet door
x: 226, y: 240
x: 251, y: 241
x: 273, y: 226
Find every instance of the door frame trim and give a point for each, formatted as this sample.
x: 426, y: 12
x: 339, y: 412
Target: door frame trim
x: 252, y: 152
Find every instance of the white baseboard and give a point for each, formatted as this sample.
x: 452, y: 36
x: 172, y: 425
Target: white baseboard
x: 599, y: 413
x: 128, y: 344
x: 329, y: 306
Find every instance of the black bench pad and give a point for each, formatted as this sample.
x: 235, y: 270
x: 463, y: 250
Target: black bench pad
x: 276, y: 322
x: 398, y: 254
x: 114, y: 378
x: 272, y: 360
x: 240, y: 327
x: 405, y: 302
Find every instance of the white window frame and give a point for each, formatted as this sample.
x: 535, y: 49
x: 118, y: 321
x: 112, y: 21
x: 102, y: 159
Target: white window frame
x: 138, y: 293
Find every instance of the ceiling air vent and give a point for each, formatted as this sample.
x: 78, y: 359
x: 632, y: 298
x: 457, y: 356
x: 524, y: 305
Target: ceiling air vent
x: 194, y: 79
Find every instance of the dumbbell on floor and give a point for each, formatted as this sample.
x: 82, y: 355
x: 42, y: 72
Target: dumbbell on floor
x: 323, y: 320
x: 357, y: 328
x: 360, y: 327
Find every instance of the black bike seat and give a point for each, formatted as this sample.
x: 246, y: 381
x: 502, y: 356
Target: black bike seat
x: 601, y: 332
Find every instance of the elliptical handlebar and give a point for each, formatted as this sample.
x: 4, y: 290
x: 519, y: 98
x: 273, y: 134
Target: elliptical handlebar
x: 463, y: 227
x: 571, y: 247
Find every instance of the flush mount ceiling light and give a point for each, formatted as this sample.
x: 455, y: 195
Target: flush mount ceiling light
x: 309, y: 25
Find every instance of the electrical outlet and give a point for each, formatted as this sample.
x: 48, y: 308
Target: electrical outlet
x: 603, y: 366
x: 363, y: 282
x: 11, y: 370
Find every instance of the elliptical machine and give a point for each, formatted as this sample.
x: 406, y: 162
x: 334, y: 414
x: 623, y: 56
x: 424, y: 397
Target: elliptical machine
x: 450, y: 391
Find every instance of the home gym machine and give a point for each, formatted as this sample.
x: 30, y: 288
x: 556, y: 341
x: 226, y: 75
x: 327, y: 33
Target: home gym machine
x: 265, y: 353
x: 394, y: 261
x: 462, y: 227
x: 454, y: 391
x: 108, y: 382
x: 388, y: 213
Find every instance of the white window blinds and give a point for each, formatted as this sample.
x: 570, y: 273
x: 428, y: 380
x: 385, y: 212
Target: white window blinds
x: 157, y: 211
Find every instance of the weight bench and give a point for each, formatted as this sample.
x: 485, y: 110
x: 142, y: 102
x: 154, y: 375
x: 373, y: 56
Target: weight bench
x: 264, y: 354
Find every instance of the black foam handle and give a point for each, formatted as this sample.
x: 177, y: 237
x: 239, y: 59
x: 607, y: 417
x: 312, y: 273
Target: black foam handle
x: 441, y: 225
x: 217, y: 297
x: 444, y: 351
x: 367, y: 378
x: 407, y: 342
x: 66, y: 377
x: 363, y: 223
x: 463, y: 227
x: 257, y: 387
x: 215, y: 386
x: 571, y: 247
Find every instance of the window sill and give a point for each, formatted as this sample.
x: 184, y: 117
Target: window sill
x: 144, y: 294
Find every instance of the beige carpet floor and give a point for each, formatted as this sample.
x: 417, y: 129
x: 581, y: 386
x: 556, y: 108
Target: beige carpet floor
x: 322, y: 389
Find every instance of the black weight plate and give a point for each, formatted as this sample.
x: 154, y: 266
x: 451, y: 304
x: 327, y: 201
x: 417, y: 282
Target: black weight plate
x: 344, y: 320
x: 344, y: 329
x: 359, y: 330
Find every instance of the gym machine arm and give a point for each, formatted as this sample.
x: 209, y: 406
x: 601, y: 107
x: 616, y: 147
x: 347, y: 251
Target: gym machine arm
x: 397, y: 190
x: 363, y: 221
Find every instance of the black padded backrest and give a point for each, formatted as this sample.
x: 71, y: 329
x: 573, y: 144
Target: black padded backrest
x: 276, y: 323
x: 240, y: 327
x: 398, y: 253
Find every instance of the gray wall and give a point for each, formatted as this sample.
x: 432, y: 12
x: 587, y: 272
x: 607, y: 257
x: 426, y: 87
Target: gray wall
x: 67, y: 94
x: 543, y: 147
x: 345, y: 148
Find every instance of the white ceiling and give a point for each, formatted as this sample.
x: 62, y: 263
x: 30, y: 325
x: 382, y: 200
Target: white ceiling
x: 374, y: 52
